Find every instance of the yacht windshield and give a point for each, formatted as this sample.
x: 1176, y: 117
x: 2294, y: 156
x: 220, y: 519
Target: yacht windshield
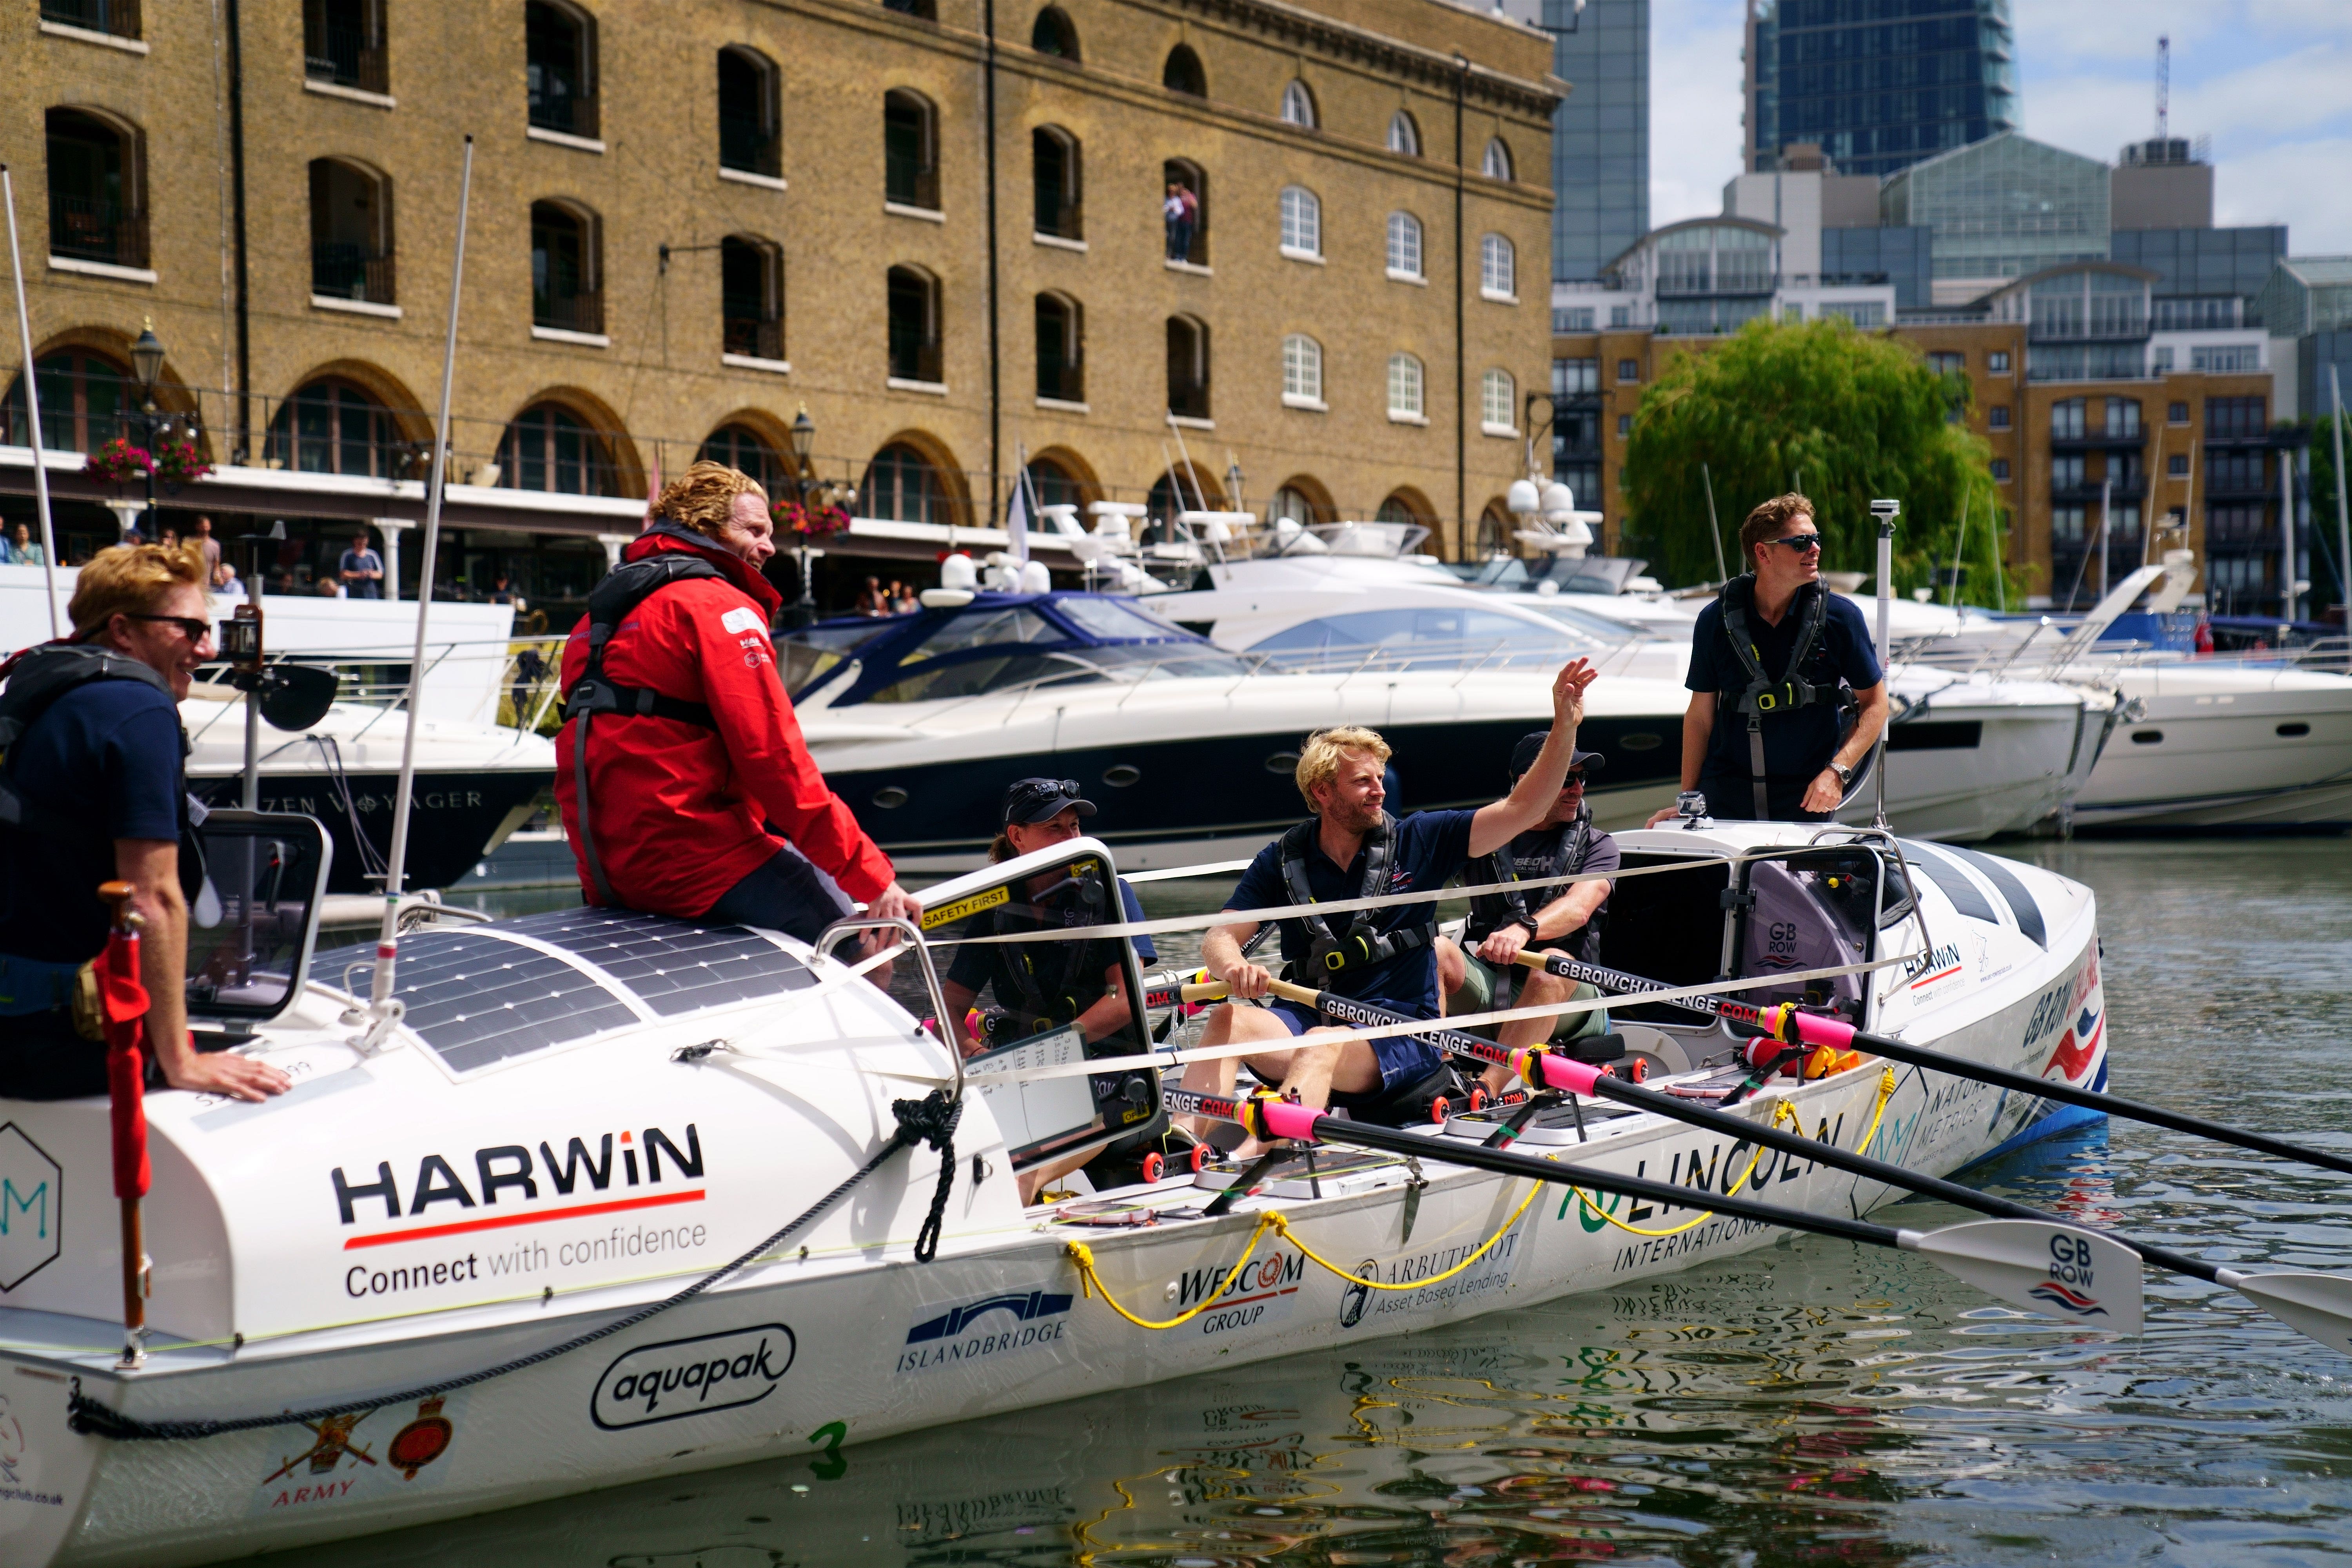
x: 1003, y: 669
x: 809, y: 654
x: 1115, y: 619
x: 1597, y: 625
x: 1427, y: 637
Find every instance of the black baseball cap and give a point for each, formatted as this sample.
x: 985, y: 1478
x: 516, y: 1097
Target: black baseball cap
x: 1523, y: 755
x: 1032, y: 801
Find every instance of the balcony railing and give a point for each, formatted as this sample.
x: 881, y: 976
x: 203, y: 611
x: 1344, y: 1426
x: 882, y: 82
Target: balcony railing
x: 559, y: 110
x: 352, y: 272
x: 581, y: 312
x: 97, y: 231
x: 1741, y: 283
x: 754, y: 337
x: 915, y: 360
x: 1066, y: 383
x: 346, y: 57
x: 118, y: 18
x: 1188, y: 399
x: 747, y: 144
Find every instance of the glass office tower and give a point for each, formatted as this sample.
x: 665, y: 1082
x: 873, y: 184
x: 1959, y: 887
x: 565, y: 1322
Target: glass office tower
x: 1601, y: 135
x: 1877, y: 84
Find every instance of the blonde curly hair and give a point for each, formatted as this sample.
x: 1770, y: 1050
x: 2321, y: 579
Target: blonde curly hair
x: 1318, y: 760
x: 131, y: 580
x: 702, y: 497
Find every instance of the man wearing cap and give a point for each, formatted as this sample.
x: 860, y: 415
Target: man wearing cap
x: 1565, y: 917
x: 1040, y: 985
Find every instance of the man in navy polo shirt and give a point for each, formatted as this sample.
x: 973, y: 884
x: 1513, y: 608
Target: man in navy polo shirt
x: 1351, y: 848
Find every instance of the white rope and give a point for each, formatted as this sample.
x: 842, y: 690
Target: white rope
x: 1177, y: 873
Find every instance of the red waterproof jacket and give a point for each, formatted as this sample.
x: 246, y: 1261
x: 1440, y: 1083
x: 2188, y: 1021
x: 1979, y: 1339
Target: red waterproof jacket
x: 679, y: 810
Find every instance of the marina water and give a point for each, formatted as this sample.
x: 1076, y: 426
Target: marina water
x: 1815, y: 1400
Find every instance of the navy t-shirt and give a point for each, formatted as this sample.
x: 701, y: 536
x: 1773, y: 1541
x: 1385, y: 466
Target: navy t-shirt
x: 977, y: 963
x: 1798, y: 743
x: 1427, y: 849
x: 106, y: 758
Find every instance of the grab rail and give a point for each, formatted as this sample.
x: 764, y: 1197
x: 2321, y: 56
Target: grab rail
x: 830, y: 938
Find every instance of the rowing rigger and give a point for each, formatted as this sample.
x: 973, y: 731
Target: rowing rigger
x: 2317, y: 1304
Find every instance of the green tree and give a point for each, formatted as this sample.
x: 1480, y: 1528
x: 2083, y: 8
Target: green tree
x: 1856, y: 415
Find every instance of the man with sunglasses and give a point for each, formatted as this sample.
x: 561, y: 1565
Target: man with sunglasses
x: 91, y: 790
x: 1776, y: 664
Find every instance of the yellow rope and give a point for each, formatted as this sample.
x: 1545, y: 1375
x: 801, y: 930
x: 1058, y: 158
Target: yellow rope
x: 1885, y: 1093
x: 1283, y: 1225
x: 1090, y: 1281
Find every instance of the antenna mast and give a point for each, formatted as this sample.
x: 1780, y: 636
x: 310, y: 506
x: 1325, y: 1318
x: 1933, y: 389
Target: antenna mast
x: 2163, y: 86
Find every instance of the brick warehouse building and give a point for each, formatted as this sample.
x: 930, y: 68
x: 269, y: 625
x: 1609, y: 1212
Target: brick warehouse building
x: 689, y: 222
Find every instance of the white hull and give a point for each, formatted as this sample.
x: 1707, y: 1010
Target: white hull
x: 277, y: 1302
x: 2226, y: 746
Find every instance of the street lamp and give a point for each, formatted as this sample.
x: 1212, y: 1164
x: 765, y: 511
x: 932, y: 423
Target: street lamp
x: 147, y: 363
x: 803, y: 612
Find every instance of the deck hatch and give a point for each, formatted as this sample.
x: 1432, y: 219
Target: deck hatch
x: 2013, y: 889
x: 672, y: 967
x: 1966, y: 896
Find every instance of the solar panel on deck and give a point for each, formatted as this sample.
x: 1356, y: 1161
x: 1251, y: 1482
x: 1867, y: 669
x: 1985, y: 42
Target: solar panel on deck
x: 673, y: 966
x: 478, y: 1000
x: 1965, y: 895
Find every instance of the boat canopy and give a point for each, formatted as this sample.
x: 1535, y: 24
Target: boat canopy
x: 995, y: 642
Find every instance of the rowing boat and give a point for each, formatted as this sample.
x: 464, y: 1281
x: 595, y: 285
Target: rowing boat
x: 581, y: 1113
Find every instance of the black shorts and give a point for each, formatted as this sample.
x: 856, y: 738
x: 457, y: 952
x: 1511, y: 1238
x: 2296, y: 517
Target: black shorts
x: 788, y: 894
x: 1732, y: 797
x: 41, y: 1057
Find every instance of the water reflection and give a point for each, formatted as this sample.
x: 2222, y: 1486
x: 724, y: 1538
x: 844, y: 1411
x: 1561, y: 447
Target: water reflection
x: 1810, y: 1402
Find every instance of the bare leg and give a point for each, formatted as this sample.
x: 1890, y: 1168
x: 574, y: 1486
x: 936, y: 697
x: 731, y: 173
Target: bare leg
x: 1311, y: 1072
x: 1227, y: 1025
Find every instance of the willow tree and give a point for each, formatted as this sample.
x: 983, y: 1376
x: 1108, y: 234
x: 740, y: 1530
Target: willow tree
x: 1846, y: 417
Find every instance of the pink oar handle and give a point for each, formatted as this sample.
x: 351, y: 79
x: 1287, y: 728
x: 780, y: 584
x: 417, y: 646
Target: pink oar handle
x: 1816, y: 1030
x: 1548, y: 1071
x: 1280, y: 1118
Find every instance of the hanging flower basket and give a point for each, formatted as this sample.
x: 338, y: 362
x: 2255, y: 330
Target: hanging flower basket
x: 179, y: 463
x: 118, y: 463
x: 807, y: 525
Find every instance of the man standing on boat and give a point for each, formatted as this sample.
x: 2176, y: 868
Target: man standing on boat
x: 92, y: 791
x: 1775, y: 663
x: 1351, y: 848
x: 695, y: 794
x: 1562, y: 918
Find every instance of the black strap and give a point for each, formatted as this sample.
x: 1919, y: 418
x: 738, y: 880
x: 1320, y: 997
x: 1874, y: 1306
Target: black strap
x: 1763, y: 694
x: 1328, y: 954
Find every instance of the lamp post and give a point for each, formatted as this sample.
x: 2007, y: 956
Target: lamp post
x: 803, y: 612
x: 147, y: 363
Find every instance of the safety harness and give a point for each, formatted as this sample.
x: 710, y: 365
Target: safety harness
x: 1563, y: 853
x: 1055, y: 991
x: 1328, y: 954
x: 622, y: 590
x: 1763, y: 694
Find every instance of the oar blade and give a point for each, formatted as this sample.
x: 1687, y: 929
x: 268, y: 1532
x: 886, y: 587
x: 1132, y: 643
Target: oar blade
x: 2319, y: 1305
x: 2075, y: 1276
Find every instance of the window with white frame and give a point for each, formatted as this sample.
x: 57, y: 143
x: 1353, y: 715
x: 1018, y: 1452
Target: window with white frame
x: 1497, y: 401
x: 1496, y: 163
x: 1302, y: 222
x: 1404, y: 246
x: 1302, y: 371
x: 1404, y: 136
x: 1404, y: 387
x: 1498, y: 273
x: 1298, y: 105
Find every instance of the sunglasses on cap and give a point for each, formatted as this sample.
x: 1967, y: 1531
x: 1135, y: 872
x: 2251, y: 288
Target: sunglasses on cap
x: 1799, y: 542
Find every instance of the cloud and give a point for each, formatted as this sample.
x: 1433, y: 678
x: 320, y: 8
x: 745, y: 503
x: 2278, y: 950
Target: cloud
x: 1695, y: 105
x: 2276, y: 185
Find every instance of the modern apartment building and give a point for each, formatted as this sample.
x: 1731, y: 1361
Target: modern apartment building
x: 1600, y: 134
x: 1877, y: 85
x: 692, y: 221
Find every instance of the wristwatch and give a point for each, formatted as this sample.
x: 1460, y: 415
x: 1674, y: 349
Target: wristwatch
x: 1844, y: 773
x: 1528, y: 921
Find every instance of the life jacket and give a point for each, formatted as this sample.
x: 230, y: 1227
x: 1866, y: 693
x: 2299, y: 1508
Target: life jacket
x: 1050, y: 980
x: 622, y: 590
x: 1763, y: 695
x: 1563, y: 853
x: 1329, y: 955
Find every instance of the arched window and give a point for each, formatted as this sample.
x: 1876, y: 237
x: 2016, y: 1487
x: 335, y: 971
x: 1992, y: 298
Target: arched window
x: 1187, y: 236
x: 1404, y: 387
x: 1061, y: 349
x: 559, y: 66
x: 741, y: 447
x: 915, y: 326
x: 566, y: 268
x: 1170, y: 494
x: 752, y: 298
x: 331, y: 427
x: 910, y: 156
x: 1404, y: 135
x: 1051, y: 484
x: 1291, y: 504
x: 1499, y: 402
x: 1053, y: 35
x: 901, y: 487
x: 1496, y: 163
x: 1054, y: 160
x: 547, y: 447
x: 1188, y: 367
x: 351, y: 232
x: 1404, y: 246
x: 98, y: 189
x: 1299, y: 106
x: 83, y: 399
x: 1183, y: 73
x: 1498, y: 273
x: 928, y: 10
x: 1302, y: 372
x: 1494, y: 532
x: 1302, y: 222
x: 342, y: 43
x: 751, y: 141
x: 1397, y: 509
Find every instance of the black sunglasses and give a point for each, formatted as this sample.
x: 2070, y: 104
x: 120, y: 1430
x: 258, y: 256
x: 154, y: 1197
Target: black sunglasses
x: 1570, y: 780
x: 1799, y: 542
x: 193, y: 629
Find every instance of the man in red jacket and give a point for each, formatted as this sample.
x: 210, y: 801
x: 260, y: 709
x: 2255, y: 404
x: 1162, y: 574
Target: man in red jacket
x: 703, y: 800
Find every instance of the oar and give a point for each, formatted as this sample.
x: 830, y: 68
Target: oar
x: 2317, y: 1304
x: 1787, y: 1023
x: 2052, y: 1269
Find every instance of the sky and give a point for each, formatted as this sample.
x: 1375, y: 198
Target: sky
x: 2269, y: 80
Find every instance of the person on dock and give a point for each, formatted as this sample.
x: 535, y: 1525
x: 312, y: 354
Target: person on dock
x: 1563, y: 918
x: 695, y: 794
x: 1352, y: 848
x: 92, y: 790
x: 1775, y: 663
